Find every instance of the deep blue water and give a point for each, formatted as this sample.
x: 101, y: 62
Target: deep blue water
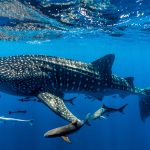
x: 126, y: 34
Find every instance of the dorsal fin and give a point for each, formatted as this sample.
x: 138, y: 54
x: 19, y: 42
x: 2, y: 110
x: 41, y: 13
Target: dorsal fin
x: 104, y: 64
x: 130, y: 81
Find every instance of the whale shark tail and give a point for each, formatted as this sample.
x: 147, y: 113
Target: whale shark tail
x: 144, y: 105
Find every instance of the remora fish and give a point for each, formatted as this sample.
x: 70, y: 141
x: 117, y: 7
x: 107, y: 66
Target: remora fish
x: 25, y: 99
x: 71, y: 100
x: 102, y: 111
x: 28, y: 99
x: 63, y: 131
x: 18, y: 111
x: 48, y: 78
x: 2, y: 118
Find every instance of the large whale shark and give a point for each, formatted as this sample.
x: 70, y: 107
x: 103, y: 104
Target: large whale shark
x: 49, y: 78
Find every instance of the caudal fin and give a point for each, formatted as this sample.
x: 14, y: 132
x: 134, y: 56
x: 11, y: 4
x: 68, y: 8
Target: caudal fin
x: 144, y: 104
x: 109, y: 109
x: 121, y: 109
x: 71, y: 100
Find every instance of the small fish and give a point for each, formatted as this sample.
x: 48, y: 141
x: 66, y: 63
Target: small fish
x: 99, y: 98
x: 71, y: 100
x: 29, y: 99
x: 25, y: 99
x: 108, y: 110
x: 18, y: 111
x: 114, y: 96
x: 63, y: 131
x: 5, y: 119
x: 103, y: 110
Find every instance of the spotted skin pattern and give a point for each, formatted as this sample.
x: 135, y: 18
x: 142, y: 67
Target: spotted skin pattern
x: 58, y: 106
x: 48, y: 78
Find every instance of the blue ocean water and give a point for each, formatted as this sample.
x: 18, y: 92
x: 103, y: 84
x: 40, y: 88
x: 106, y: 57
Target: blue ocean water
x: 123, y: 29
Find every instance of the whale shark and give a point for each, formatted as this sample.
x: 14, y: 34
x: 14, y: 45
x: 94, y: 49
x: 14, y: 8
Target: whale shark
x: 48, y: 78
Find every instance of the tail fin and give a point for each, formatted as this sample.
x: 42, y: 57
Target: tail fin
x: 144, y: 105
x: 71, y: 100
x: 109, y: 109
x: 121, y: 109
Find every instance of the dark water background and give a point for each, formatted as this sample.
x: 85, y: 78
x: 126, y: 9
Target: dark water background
x: 127, y: 36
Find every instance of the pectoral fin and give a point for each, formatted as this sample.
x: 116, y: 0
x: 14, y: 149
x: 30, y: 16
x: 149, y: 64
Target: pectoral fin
x: 66, y: 139
x: 57, y: 105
